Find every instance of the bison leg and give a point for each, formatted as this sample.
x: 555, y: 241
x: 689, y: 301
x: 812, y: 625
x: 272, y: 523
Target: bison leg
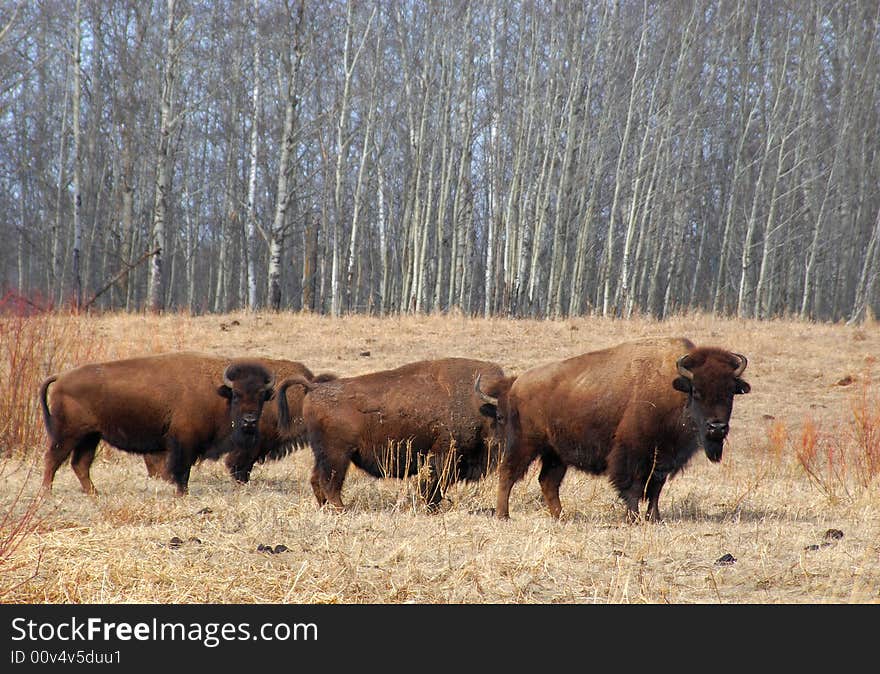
x: 631, y: 497
x: 430, y: 491
x: 316, y: 487
x: 179, y: 466
x: 512, y: 469
x: 330, y: 469
x: 641, y: 488
x: 653, y: 493
x: 239, y: 467
x: 440, y: 475
x: 550, y: 477
x: 81, y: 461
x: 181, y: 480
x: 155, y: 463
x: 622, y: 471
x: 55, y: 455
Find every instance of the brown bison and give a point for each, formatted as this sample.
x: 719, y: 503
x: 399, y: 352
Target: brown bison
x: 174, y: 408
x: 274, y: 444
x: 271, y: 444
x: 422, y: 418
x: 637, y: 412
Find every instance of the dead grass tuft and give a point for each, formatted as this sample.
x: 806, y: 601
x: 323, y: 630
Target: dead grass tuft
x: 32, y: 348
x: 843, y: 460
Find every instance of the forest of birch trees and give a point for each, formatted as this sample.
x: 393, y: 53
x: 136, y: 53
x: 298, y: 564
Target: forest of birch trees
x: 494, y: 158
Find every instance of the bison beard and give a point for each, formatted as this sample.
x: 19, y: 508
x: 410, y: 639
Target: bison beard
x: 636, y: 412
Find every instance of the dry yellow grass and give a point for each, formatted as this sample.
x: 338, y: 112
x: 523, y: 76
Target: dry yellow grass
x: 758, y: 505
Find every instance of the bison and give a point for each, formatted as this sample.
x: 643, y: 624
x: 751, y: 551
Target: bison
x: 636, y: 412
x: 274, y: 444
x: 422, y: 418
x: 174, y: 408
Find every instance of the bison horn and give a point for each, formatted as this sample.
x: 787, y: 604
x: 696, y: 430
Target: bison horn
x: 485, y: 398
x: 227, y: 375
x: 682, y: 369
x: 743, y: 362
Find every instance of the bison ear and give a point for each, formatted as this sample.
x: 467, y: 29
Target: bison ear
x: 741, y: 386
x: 224, y: 391
x: 682, y: 384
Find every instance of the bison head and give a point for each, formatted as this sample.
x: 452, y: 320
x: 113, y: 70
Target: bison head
x: 246, y: 386
x: 710, y: 378
x: 494, y: 405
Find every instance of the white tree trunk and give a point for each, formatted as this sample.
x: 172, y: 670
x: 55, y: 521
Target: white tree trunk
x: 493, y: 183
x: 383, y: 243
x: 276, y: 246
x: 608, y: 256
x: 77, y: 162
x: 867, y: 276
x: 349, y: 62
x: 163, y: 165
x: 351, y: 290
x: 284, y: 186
x: 251, y: 236
x: 54, y: 276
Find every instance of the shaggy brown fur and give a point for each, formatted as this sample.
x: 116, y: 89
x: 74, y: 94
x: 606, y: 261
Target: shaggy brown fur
x: 399, y: 422
x: 173, y: 408
x: 634, y: 412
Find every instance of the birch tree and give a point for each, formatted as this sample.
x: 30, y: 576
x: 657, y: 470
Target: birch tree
x: 285, y: 184
x: 608, y: 254
x: 77, y: 160
x: 350, y: 56
x: 164, y: 161
x: 517, y: 158
x: 342, y: 145
x: 249, y: 248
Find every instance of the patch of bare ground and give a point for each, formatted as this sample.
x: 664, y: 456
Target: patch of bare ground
x: 753, y: 529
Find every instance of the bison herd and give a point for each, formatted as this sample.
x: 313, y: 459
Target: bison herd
x: 636, y: 412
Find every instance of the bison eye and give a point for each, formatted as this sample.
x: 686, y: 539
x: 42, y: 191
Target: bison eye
x: 697, y: 395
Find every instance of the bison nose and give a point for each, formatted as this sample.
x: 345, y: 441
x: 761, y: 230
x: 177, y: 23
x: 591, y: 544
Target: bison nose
x: 717, y: 430
x: 249, y: 420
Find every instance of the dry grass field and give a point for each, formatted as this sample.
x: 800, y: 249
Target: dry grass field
x: 801, y: 460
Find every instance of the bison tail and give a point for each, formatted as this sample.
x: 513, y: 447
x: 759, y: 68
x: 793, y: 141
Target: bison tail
x: 296, y: 380
x: 44, y: 402
x: 281, y: 395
